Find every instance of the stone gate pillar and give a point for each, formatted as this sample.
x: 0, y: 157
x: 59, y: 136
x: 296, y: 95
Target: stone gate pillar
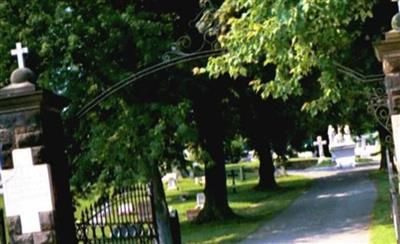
x: 388, y: 52
x: 34, y: 171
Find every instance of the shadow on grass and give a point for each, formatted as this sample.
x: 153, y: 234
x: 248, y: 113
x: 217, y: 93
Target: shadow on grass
x: 252, y: 207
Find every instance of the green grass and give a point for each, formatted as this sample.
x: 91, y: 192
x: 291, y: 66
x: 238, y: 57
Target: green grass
x: 247, y: 165
x: 363, y: 160
x: 300, y: 163
x: 291, y: 163
x: 326, y: 163
x: 381, y: 230
x: 254, y: 208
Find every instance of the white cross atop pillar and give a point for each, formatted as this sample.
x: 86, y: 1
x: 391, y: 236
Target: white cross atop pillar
x: 19, y: 52
x: 27, y: 190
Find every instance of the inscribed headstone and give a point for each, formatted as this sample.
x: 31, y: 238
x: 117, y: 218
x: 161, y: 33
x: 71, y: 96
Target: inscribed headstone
x: 27, y: 190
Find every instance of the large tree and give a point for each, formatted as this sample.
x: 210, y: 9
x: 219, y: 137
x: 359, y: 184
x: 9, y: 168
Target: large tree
x: 305, y: 41
x: 297, y: 37
x: 79, y: 49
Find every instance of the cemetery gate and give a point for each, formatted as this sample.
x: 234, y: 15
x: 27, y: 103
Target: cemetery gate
x: 126, y: 216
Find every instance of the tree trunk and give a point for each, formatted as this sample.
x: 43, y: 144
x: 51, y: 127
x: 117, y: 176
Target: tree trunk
x: 216, y: 206
x: 383, y: 164
x: 160, y: 207
x: 382, y: 138
x: 266, y: 170
x: 207, y: 107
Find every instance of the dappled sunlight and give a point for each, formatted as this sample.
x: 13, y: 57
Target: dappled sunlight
x: 336, y: 208
x: 252, y: 207
x: 333, y: 195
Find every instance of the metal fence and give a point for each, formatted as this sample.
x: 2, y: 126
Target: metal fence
x: 393, y: 183
x: 127, y: 216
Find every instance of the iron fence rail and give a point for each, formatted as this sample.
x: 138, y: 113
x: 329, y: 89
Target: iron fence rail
x: 126, y: 216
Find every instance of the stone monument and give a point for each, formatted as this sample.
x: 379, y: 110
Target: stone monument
x: 342, y: 147
x: 320, y: 144
x: 34, y: 170
x: 388, y: 52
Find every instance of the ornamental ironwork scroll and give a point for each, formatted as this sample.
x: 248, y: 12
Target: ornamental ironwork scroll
x: 181, y: 51
x: 206, y: 33
x: 378, y: 107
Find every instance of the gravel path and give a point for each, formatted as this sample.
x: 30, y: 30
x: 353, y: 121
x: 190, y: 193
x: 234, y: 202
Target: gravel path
x: 335, y: 210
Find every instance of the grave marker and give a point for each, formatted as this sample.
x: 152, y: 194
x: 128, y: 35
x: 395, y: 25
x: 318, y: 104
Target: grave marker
x: 27, y: 181
x: 200, y: 200
x: 320, y: 144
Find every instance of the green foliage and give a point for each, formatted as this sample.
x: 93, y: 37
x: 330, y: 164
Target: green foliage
x: 235, y: 149
x: 299, y: 38
x: 79, y: 49
x: 120, y: 150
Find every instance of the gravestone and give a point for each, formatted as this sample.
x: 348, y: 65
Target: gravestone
x: 171, y: 180
x: 27, y: 181
x: 38, y: 202
x: 172, y: 184
x: 361, y: 148
x: 320, y: 144
x: 191, y: 214
x: 200, y: 200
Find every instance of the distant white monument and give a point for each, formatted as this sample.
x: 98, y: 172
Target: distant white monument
x: 172, y: 180
x: 331, y: 134
x: 341, y: 146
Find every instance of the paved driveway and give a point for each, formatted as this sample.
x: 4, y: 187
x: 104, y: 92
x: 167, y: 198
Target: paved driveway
x: 335, y: 210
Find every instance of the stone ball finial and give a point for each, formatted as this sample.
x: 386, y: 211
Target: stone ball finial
x: 22, y: 75
x: 396, y: 22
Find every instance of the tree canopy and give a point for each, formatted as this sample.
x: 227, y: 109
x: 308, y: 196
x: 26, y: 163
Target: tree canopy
x: 300, y: 38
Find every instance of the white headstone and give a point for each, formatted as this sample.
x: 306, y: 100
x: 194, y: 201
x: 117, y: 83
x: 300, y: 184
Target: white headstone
x: 19, y: 52
x: 27, y: 190
x: 172, y: 185
x: 200, y: 200
x: 320, y: 144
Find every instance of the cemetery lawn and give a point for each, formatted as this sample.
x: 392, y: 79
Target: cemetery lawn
x: 381, y: 230
x: 253, y: 208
